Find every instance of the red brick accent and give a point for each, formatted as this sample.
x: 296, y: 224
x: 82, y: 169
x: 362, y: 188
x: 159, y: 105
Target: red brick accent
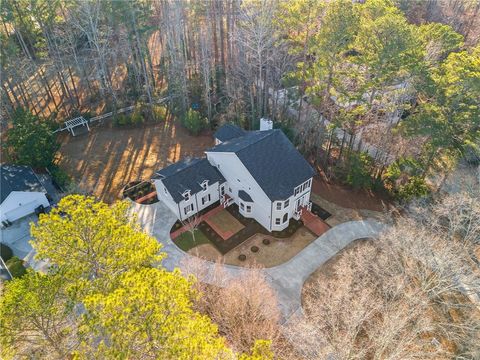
x: 203, y: 217
x: 314, y: 223
x: 146, y: 197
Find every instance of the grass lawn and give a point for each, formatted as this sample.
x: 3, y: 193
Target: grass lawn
x: 185, y: 241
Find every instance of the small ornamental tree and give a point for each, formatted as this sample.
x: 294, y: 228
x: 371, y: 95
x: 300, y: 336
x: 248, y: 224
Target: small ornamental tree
x: 30, y: 141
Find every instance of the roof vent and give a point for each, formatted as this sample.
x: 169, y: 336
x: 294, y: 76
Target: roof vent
x: 266, y: 124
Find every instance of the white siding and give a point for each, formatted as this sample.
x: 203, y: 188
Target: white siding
x: 238, y: 178
x: 213, y: 190
x: 165, y: 197
x: 195, y: 199
x: 21, y: 203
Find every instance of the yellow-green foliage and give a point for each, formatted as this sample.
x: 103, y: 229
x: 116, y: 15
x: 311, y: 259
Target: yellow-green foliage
x: 151, y: 313
x: 159, y: 112
x: 33, y: 317
x: 107, y: 297
x: 92, y: 240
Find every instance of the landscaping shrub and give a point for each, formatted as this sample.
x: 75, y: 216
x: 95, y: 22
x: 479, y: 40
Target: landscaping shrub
x: 160, y: 112
x: 136, y: 118
x: 60, y: 176
x: 403, y: 179
x: 358, y: 170
x: 121, y: 120
x: 5, y: 252
x: 415, y: 187
x: 242, y: 257
x: 194, y: 121
x: 254, y: 249
x: 15, y: 266
x: 266, y: 241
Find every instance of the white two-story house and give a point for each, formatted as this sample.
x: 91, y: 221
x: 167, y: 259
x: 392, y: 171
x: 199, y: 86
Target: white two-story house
x: 260, y: 171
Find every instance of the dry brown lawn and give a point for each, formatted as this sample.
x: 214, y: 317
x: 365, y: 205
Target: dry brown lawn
x: 107, y: 158
x: 276, y: 253
x: 226, y: 222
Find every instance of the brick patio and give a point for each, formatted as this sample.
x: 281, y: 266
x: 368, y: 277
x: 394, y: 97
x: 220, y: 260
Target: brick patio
x: 314, y: 223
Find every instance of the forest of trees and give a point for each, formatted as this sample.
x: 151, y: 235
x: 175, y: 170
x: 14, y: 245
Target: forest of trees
x: 378, y: 94
x: 383, y: 73
x: 107, y: 296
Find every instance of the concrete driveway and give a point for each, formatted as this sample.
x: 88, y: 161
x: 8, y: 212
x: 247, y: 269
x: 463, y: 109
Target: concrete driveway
x: 287, y: 279
x: 17, y: 236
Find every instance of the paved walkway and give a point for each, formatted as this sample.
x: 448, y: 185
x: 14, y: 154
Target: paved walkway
x: 287, y: 279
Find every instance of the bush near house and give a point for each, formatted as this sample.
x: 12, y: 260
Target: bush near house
x: 5, y: 252
x: 60, y: 176
x: 15, y: 266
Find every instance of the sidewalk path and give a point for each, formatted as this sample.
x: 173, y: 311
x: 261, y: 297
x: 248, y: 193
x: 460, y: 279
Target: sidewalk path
x: 287, y: 279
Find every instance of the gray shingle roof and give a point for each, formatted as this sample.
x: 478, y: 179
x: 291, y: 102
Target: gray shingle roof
x: 244, y: 196
x: 228, y: 131
x: 18, y: 178
x: 271, y: 159
x: 188, y: 174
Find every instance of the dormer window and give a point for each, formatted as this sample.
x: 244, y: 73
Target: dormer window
x: 204, y: 185
x: 186, y: 195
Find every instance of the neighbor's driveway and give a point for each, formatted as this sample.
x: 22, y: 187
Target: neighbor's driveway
x: 17, y: 237
x: 287, y: 279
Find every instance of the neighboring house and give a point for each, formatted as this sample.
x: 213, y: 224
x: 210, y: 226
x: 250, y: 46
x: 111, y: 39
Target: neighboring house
x: 21, y: 192
x: 260, y: 171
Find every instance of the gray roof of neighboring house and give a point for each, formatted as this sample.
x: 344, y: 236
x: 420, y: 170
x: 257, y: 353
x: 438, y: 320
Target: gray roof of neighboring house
x: 244, y: 196
x: 228, y: 131
x: 188, y: 174
x: 18, y: 178
x: 271, y: 159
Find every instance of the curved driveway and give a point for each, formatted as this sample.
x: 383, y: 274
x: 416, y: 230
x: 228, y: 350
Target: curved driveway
x: 287, y: 279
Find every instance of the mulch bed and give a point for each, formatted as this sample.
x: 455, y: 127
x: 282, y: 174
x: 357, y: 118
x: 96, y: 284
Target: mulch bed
x: 251, y: 228
x: 142, y: 192
x: 320, y: 212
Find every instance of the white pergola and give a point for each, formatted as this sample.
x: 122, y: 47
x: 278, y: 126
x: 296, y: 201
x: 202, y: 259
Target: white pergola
x: 73, y: 123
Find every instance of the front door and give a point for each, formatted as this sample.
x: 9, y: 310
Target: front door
x: 299, y: 203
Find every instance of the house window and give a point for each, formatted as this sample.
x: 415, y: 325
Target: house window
x: 249, y: 209
x: 285, y: 204
x: 206, y: 199
x: 277, y: 221
x: 279, y: 205
x: 188, y: 209
x: 205, y: 185
x: 222, y: 190
x: 297, y: 190
x: 242, y: 206
x: 186, y: 195
x: 285, y: 218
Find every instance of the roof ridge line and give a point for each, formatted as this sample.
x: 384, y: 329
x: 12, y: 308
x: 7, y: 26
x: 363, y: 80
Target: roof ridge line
x: 270, y: 132
x: 185, y: 168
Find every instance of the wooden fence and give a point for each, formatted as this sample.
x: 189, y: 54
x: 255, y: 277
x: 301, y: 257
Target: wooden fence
x: 109, y: 114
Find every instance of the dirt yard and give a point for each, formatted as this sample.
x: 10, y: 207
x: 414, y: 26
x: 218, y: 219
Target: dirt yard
x: 347, y: 197
x: 107, y: 158
x: 275, y: 253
